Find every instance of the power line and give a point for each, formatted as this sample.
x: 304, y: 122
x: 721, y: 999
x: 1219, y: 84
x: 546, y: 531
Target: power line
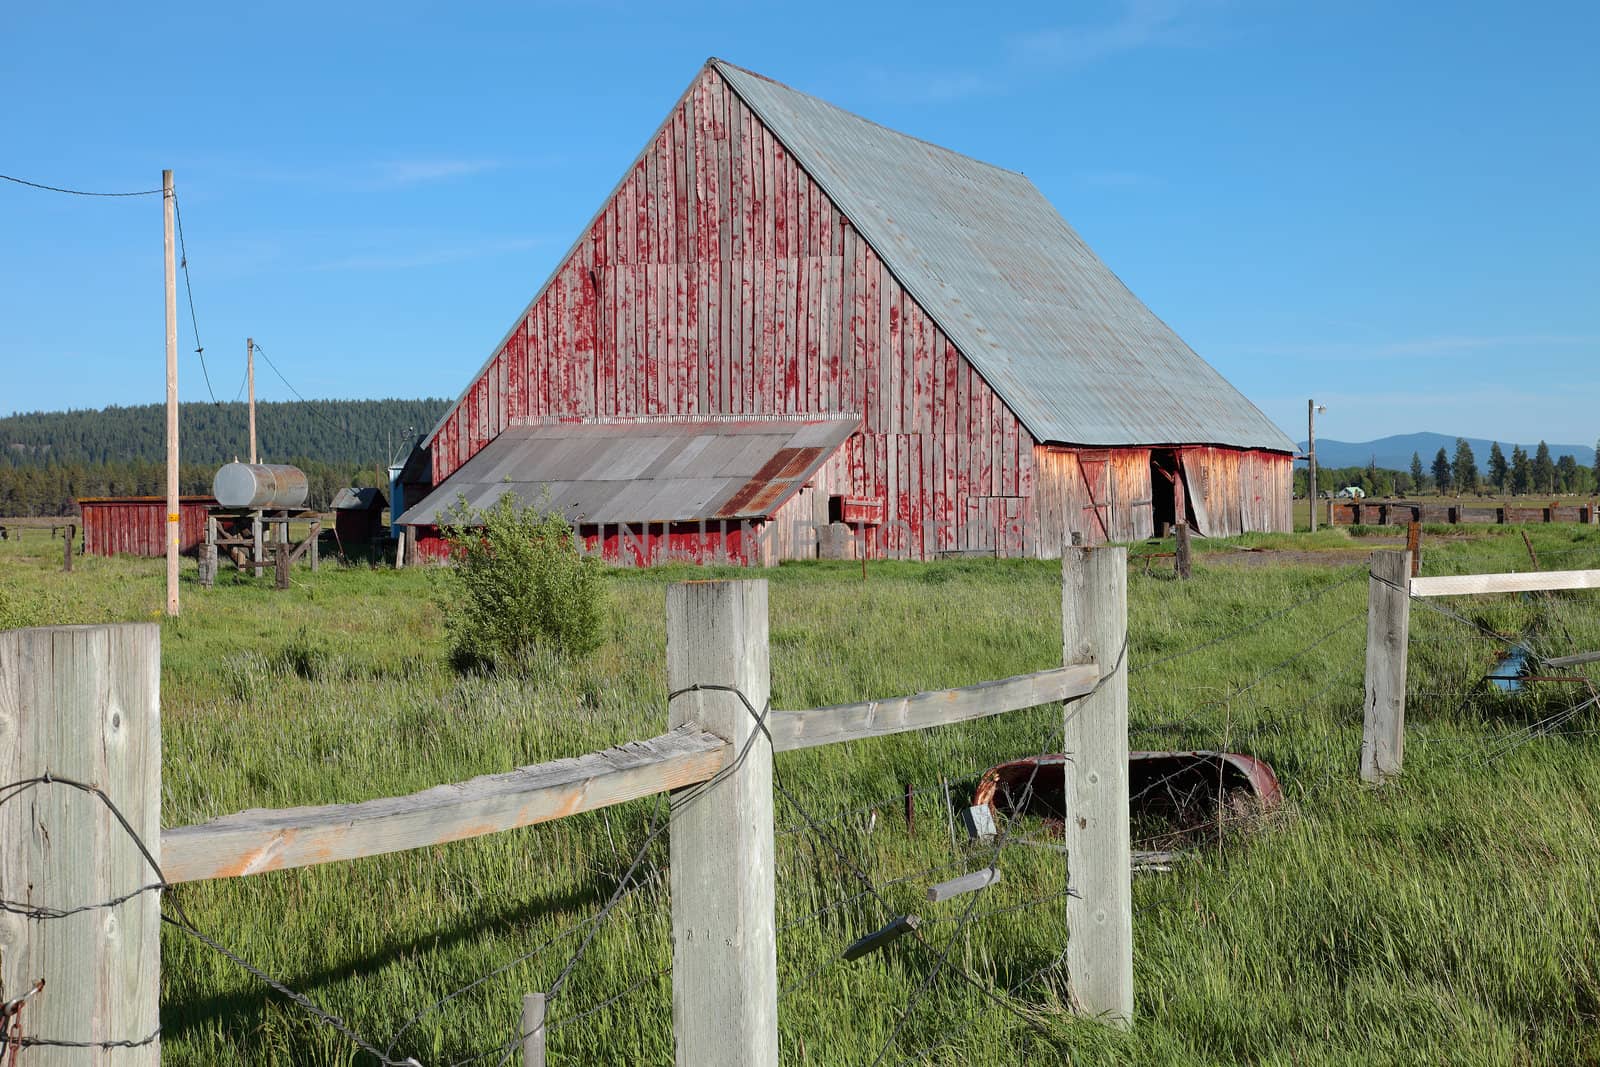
x: 183, y: 251
x: 183, y: 261
x: 311, y: 405
x: 76, y: 192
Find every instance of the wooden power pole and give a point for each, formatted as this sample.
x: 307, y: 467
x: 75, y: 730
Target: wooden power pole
x: 1311, y: 459
x: 250, y: 372
x: 174, y: 526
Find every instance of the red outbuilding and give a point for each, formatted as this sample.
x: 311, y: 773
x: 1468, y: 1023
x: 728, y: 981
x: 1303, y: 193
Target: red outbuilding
x: 136, y: 525
x: 771, y: 259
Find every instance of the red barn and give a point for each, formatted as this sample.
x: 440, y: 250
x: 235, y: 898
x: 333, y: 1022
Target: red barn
x: 984, y: 382
x: 136, y: 525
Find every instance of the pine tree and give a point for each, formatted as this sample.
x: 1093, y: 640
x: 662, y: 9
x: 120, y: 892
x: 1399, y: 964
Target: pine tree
x: 1544, y: 470
x: 1420, y: 481
x: 1498, y: 469
x: 1441, y: 472
x: 1521, y: 471
x: 1567, y: 474
x: 1465, y: 467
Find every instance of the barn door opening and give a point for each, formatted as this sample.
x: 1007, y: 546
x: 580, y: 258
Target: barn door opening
x: 1095, y: 468
x: 1166, y: 489
x: 1197, y: 489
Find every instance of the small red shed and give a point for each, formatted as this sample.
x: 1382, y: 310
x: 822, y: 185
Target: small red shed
x: 358, y: 516
x: 136, y: 525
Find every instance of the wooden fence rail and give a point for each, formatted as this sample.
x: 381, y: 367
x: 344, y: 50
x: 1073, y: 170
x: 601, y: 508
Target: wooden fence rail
x: 721, y: 838
x: 1388, y: 631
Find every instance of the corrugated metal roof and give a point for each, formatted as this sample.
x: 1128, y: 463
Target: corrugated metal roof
x: 643, y: 470
x: 1071, y: 350
x: 357, y: 500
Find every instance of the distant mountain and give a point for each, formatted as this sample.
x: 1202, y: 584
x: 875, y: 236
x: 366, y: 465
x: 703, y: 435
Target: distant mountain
x: 1394, y: 453
x: 355, y: 432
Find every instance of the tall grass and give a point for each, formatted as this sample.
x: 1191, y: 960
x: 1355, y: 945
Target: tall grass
x: 1446, y: 918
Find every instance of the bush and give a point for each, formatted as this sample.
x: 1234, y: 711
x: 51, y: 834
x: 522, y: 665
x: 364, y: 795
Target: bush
x: 519, y: 586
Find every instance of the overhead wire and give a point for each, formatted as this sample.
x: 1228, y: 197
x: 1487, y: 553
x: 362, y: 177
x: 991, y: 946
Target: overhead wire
x: 77, y: 192
x: 188, y: 288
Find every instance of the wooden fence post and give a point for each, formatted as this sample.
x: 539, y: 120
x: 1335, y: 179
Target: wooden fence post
x: 280, y: 564
x: 1185, y: 559
x: 82, y: 702
x: 725, y: 960
x: 1094, y: 628
x: 66, y: 545
x: 1383, y: 731
x: 533, y: 1030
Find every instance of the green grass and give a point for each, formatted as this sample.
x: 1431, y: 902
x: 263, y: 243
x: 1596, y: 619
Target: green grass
x: 1447, y: 918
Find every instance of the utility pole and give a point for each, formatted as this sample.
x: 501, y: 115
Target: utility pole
x: 1311, y: 458
x: 250, y: 372
x: 174, y: 526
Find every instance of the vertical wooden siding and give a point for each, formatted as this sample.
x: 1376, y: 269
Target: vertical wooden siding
x: 1106, y: 494
x: 137, y: 526
x: 719, y: 279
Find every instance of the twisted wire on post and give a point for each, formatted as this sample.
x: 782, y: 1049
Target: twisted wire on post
x: 180, y: 920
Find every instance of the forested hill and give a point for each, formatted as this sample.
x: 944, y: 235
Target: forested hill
x: 339, y: 432
x: 50, y: 458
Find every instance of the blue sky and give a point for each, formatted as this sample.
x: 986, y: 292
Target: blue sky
x: 1391, y: 207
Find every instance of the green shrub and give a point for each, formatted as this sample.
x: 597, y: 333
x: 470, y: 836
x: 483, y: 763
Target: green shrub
x: 519, y: 587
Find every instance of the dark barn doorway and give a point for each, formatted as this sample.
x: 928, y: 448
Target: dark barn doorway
x: 1166, y: 489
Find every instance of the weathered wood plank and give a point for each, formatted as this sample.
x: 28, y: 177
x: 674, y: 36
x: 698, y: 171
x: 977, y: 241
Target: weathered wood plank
x: 967, y: 883
x: 1468, y: 584
x: 898, y: 927
x: 83, y: 703
x: 1094, y: 627
x: 255, y: 841
x: 877, y: 718
x: 1573, y: 661
x: 723, y: 872
x: 1383, y: 733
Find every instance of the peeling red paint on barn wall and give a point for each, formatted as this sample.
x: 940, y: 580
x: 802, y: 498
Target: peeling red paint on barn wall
x: 720, y: 279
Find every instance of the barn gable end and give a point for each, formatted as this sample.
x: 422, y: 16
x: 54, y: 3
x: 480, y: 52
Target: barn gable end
x: 721, y: 280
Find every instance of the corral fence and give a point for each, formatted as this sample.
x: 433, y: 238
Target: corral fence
x: 1402, y: 512
x: 84, y: 862
x: 1391, y: 591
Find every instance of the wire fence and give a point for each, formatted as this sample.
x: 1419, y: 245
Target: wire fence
x: 1285, y: 685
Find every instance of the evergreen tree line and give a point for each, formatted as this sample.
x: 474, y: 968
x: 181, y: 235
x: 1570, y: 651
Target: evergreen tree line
x: 1514, y: 476
x: 351, y: 432
x: 1517, y: 475
x: 49, y: 459
x: 54, y: 489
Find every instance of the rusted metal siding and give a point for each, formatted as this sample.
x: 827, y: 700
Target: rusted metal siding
x: 719, y: 279
x: 136, y: 526
x: 643, y: 470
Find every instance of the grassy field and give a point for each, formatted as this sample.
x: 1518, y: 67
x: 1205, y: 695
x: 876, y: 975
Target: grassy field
x: 1447, y: 918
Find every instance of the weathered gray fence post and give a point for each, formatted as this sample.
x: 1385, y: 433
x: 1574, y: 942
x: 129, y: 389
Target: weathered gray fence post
x: 1383, y: 729
x: 533, y: 1030
x: 725, y: 960
x: 1094, y: 628
x: 82, y: 702
x: 1183, y: 552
